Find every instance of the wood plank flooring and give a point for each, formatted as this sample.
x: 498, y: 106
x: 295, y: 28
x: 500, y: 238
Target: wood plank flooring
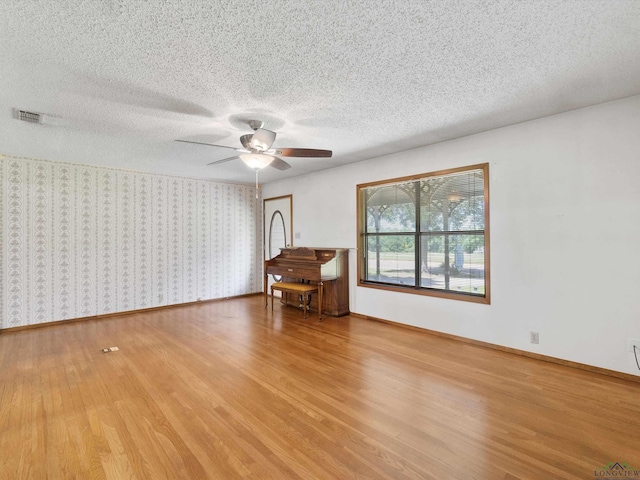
x: 227, y: 390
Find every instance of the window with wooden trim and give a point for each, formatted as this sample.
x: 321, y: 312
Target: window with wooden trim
x: 427, y: 234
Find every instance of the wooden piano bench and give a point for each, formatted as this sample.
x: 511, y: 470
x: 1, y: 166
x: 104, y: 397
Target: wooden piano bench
x: 303, y: 289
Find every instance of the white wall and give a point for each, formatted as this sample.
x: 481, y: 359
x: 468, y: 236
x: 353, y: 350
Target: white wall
x: 565, y: 230
x: 78, y: 241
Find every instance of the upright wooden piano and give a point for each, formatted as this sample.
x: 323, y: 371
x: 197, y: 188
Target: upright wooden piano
x: 326, y: 267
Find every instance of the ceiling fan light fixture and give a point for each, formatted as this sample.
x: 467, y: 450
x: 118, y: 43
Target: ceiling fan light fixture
x: 257, y: 161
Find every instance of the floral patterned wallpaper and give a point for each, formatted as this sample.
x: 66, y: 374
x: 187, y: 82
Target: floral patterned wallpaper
x: 79, y: 241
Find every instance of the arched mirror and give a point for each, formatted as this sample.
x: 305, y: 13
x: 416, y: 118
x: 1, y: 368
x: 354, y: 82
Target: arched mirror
x: 277, y: 237
x: 278, y: 226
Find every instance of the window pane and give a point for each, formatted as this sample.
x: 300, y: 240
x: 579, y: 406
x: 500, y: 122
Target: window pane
x: 390, y: 208
x: 452, y: 202
x: 391, y: 259
x: 453, y: 262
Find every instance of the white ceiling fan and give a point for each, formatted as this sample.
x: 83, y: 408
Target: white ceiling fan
x: 256, y: 151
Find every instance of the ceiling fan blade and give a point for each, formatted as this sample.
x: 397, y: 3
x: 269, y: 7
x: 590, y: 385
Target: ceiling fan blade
x: 262, y: 139
x: 210, y: 144
x: 224, y: 160
x: 279, y: 164
x: 303, y: 152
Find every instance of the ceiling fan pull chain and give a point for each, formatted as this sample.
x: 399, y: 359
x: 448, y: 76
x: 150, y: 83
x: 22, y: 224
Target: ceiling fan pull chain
x: 257, y: 170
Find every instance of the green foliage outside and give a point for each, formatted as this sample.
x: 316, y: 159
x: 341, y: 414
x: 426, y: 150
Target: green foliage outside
x: 405, y: 243
x: 400, y: 218
x: 392, y: 230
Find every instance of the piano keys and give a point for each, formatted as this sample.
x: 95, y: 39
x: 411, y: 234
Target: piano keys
x: 326, y: 267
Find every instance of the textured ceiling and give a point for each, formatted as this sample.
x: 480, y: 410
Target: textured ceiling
x: 120, y: 80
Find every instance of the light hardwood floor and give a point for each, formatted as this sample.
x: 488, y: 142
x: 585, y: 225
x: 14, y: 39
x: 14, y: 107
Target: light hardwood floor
x: 228, y: 390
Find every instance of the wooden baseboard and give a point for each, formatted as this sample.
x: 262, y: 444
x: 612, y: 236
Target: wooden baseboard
x: 515, y: 351
x: 119, y: 314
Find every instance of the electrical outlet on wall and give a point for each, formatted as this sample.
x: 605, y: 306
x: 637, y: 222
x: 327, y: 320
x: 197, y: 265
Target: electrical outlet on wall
x: 534, y: 337
x: 631, y: 342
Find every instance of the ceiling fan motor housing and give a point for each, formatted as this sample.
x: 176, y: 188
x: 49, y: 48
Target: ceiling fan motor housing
x: 262, y: 139
x: 259, y: 141
x: 245, y: 140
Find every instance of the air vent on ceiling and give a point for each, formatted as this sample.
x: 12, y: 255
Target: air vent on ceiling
x: 30, y: 117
